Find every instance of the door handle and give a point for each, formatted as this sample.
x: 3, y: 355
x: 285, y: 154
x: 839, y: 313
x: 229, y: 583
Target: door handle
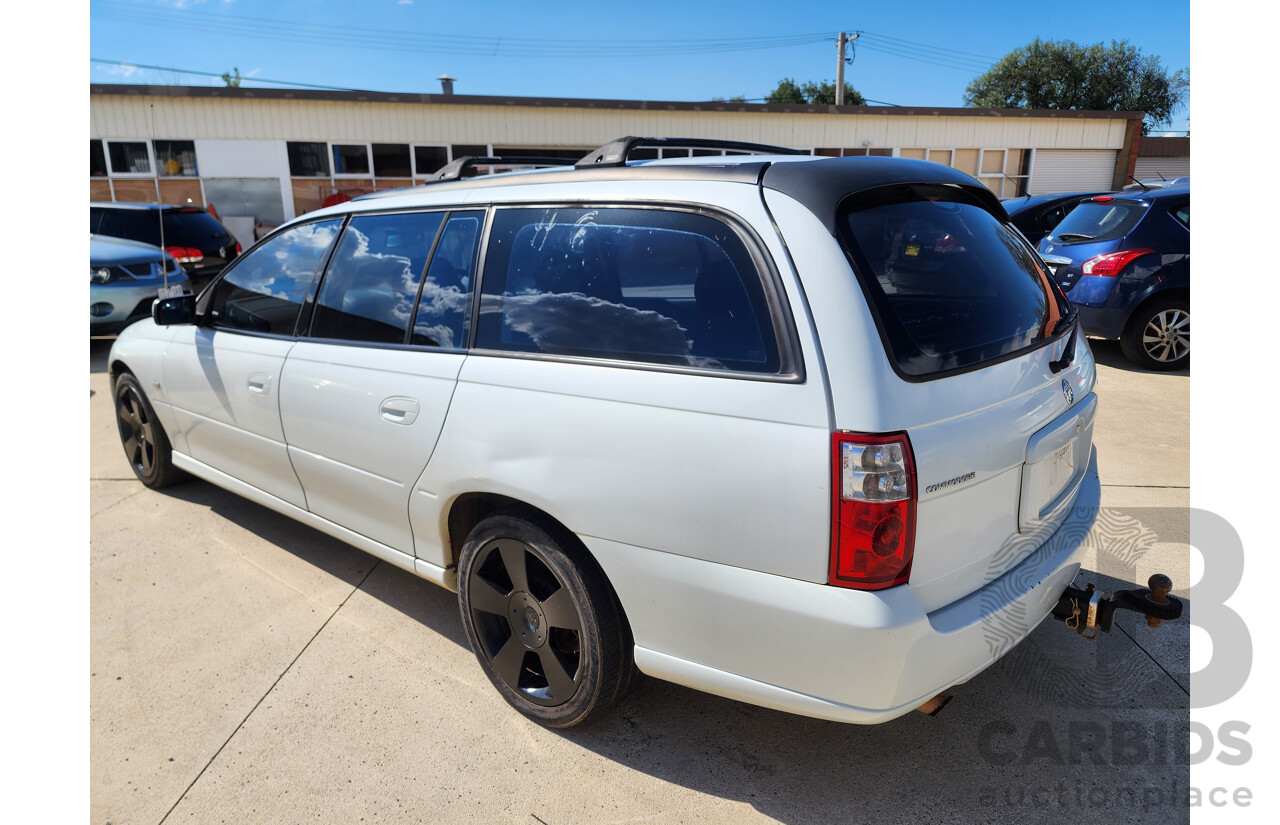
x: 399, y: 410
x: 260, y: 383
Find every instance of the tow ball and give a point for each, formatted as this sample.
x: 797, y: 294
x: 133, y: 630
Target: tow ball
x: 1089, y: 610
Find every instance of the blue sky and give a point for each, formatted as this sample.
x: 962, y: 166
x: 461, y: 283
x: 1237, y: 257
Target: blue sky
x: 921, y: 53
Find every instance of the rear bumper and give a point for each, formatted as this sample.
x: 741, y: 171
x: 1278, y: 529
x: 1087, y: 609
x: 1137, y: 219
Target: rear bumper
x: 827, y: 652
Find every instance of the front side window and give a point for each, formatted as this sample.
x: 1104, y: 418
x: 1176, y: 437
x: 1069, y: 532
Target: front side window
x: 370, y: 287
x: 650, y: 285
x: 264, y: 290
x: 951, y: 286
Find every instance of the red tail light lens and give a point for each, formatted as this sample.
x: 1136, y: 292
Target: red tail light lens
x: 237, y: 249
x: 185, y: 254
x: 1111, y: 264
x: 873, y: 510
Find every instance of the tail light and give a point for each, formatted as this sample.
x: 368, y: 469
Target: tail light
x: 873, y: 512
x: 237, y: 249
x: 185, y: 254
x: 1110, y: 264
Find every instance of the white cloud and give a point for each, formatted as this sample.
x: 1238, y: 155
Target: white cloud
x: 252, y: 72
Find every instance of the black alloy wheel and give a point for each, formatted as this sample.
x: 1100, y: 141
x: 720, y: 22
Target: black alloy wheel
x: 541, y: 619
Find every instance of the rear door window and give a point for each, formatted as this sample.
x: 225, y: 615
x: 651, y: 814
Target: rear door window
x: 440, y: 319
x: 1095, y: 220
x: 369, y: 290
x: 649, y: 285
x: 950, y: 285
x: 264, y: 290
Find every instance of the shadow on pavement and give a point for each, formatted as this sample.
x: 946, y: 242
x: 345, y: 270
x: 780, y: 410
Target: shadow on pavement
x: 1036, y: 737
x: 1108, y: 353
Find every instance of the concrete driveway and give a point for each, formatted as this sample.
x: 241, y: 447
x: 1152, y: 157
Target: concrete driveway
x: 247, y: 669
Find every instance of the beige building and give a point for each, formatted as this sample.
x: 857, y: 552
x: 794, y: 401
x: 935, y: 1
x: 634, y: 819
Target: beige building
x: 267, y: 155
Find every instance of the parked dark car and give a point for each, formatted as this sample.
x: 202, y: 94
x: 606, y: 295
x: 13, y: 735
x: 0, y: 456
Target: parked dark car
x: 1036, y: 216
x: 191, y: 235
x: 1125, y: 261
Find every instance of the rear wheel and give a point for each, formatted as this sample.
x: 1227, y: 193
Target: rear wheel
x: 1159, y: 335
x: 541, y: 619
x: 145, y: 443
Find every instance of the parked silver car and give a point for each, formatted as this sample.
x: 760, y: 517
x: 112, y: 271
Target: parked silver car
x: 124, y: 278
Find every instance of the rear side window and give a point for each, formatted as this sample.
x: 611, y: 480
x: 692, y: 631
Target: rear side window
x: 195, y: 228
x: 371, y: 285
x: 951, y: 286
x: 649, y: 285
x: 263, y: 291
x: 134, y: 224
x: 1094, y: 221
x: 440, y: 320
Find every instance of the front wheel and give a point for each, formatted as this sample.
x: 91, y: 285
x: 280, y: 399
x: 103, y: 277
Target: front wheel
x: 541, y: 619
x: 1159, y: 336
x: 145, y: 443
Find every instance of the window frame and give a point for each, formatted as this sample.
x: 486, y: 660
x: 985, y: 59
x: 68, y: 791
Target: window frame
x: 151, y: 159
x: 413, y: 157
x: 333, y: 165
x: 791, y: 368
x: 1021, y: 183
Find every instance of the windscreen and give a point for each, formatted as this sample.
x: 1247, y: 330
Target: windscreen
x: 951, y: 286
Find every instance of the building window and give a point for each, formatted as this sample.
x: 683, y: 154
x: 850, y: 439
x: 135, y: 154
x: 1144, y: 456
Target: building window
x: 308, y: 160
x: 129, y: 157
x: 97, y: 160
x: 350, y: 159
x: 391, y: 160
x: 1005, y: 171
x: 176, y: 158
x: 428, y: 159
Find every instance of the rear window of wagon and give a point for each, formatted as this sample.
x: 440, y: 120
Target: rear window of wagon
x: 951, y: 286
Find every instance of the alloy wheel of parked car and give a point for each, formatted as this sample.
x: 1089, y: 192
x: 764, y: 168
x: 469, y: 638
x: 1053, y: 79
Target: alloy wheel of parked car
x: 1160, y: 337
x: 541, y: 619
x: 146, y: 445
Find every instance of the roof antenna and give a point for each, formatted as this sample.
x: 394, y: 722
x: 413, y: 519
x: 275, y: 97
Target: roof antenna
x: 164, y: 264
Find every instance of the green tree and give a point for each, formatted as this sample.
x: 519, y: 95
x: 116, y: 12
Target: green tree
x: 232, y: 79
x: 823, y: 93
x: 1066, y: 75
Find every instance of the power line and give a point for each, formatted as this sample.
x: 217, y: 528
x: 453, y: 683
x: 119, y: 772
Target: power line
x: 216, y: 74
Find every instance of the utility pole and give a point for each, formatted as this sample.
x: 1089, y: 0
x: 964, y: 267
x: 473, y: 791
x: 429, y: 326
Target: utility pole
x: 840, y: 44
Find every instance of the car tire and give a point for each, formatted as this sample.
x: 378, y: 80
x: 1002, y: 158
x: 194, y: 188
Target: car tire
x: 1158, y: 336
x: 146, y: 445
x: 542, y: 619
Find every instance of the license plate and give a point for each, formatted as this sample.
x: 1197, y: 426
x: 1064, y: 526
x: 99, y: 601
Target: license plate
x: 170, y: 291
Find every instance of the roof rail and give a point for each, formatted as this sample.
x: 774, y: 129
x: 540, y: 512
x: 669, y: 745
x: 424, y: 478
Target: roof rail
x: 617, y: 152
x: 458, y: 167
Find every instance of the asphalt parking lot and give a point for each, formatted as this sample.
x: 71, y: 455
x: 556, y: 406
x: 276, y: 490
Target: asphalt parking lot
x: 245, y: 668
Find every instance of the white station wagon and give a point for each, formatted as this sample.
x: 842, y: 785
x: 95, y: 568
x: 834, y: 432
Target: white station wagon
x: 811, y: 433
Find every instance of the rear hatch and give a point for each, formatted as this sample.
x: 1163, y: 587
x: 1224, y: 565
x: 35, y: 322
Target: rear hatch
x: 197, y: 229
x: 1095, y: 227
x: 999, y: 423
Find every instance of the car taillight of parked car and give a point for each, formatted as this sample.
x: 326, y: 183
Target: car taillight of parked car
x: 873, y: 514
x: 238, y: 248
x: 1111, y: 264
x: 185, y: 254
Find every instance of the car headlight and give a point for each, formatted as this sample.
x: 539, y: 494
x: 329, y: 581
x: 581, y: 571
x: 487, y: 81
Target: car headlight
x: 99, y: 274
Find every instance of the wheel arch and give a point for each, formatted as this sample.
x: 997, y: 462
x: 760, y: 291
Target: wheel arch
x: 1159, y: 295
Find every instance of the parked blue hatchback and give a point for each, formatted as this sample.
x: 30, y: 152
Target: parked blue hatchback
x: 1125, y: 261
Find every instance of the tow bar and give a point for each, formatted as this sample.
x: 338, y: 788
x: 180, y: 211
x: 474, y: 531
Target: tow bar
x: 1088, y: 611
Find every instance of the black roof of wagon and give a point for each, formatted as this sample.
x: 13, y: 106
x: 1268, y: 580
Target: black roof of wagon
x: 821, y: 184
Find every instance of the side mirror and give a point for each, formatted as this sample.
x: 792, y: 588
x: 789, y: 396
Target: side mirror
x: 180, y: 309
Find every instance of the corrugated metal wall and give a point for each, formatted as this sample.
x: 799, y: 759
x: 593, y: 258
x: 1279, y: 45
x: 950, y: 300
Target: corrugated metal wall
x: 1166, y: 167
x: 121, y: 116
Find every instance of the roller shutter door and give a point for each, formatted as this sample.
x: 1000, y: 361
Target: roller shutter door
x: 1071, y: 170
x: 1168, y: 167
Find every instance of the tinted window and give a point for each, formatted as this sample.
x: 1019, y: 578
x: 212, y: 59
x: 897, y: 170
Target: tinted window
x: 951, y: 285
x: 134, y: 224
x: 391, y: 160
x: 195, y: 228
x: 640, y: 284
x: 265, y: 288
x: 308, y: 160
x: 1094, y: 221
x: 1183, y: 214
x: 442, y: 307
x: 97, y: 159
x: 370, y: 287
x: 430, y: 159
